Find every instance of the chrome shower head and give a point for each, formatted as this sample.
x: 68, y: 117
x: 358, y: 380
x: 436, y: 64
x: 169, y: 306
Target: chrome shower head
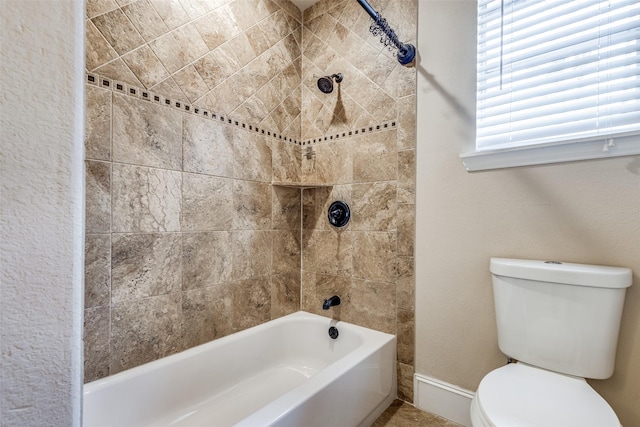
x: 325, y: 84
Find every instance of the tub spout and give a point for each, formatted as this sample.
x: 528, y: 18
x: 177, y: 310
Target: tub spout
x: 328, y: 303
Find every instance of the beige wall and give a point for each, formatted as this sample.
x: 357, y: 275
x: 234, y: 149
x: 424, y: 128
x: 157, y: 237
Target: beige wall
x: 41, y: 206
x: 186, y: 239
x: 368, y: 263
x: 585, y: 212
x: 235, y: 57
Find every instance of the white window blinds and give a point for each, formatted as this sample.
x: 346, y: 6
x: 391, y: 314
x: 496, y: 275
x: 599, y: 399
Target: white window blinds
x: 557, y: 71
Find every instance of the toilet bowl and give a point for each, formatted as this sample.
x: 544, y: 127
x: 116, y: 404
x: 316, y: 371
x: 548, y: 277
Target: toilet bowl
x: 561, y: 322
x: 518, y: 395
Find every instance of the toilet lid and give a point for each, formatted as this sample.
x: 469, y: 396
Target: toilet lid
x: 524, y: 396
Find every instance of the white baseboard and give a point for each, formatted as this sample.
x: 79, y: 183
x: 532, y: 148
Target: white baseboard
x: 440, y: 398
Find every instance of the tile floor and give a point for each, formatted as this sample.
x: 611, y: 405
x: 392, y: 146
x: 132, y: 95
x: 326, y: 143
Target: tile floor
x: 401, y: 414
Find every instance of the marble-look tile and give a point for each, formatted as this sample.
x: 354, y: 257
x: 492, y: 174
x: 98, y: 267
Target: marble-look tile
x: 145, y: 265
x: 251, y: 157
x: 169, y: 89
x: 98, y: 197
x: 208, y: 146
x: 207, y: 314
x: 144, y: 330
x: 375, y: 157
x: 146, y: 134
x: 285, y: 212
x: 145, y: 199
x: 207, y: 259
x: 406, y: 336
x: 335, y: 161
x: 198, y: 313
x: 251, y: 254
x: 97, y: 140
x: 402, y: 414
x: 171, y: 12
x: 96, y: 343
x: 406, y: 229
x: 405, y: 284
x: 309, y: 217
x: 191, y: 83
x: 97, y: 52
x: 374, y: 206
x: 251, y: 302
x: 97, y: 270
x: 374, y: 255
x: 286, y: 252
x: 287, y: 162
x: 252, y: 205
x: 407, y: 123
x: 308, y: 291
x: 216, y: 67
x: 144, y: 17
x: 407, y: 176
x: 405, y: 382
x: 285, y: 294
x: 241, y: 11
x: 118, y: 31
x: 242, y: 48
x: 146, y: 66
x: 98, y: 7
x: 118, y: 70
x: 207, y: 203
x: 197, y: 8
x: 329, y: 252
x: 169, y: 51
x: 371, y: 304
x: 218, y: 27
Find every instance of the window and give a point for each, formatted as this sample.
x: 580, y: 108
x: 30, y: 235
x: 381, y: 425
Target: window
x: 558, y: 80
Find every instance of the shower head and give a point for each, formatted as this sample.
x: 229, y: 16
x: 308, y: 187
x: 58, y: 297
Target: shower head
x: 325, y: 84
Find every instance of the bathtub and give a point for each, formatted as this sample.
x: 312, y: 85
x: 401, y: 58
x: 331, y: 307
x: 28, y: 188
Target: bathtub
x: 286, y: 372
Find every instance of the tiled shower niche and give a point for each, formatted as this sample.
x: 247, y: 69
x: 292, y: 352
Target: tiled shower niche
x: 187, y: 240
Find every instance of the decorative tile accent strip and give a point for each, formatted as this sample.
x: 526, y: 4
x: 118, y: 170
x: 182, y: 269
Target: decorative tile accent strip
x: 135, y: 92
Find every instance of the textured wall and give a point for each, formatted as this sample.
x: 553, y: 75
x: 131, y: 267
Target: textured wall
x: 186, y: 239
x: 585, y: 212
x: 369, y: 263
x: 236, y: 57
x: 41, y: 206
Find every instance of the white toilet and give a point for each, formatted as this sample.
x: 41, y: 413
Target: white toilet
x: 560, y: 322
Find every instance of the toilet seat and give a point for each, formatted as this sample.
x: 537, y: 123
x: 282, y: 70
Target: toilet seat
x: 526, y: 396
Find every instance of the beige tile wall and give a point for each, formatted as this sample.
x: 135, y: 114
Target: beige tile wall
x: 182, y: 225
x: 236, y: 57
x: 186, y: 239
x: 369, y: 263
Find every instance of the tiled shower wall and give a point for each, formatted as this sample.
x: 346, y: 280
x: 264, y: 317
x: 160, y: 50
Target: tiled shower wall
x: 370, y: 262
x: 237, y: 57
x: 138, y: 307
x: 186, y: 239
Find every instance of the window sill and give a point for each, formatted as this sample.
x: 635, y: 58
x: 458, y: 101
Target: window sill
x: 550, y: 153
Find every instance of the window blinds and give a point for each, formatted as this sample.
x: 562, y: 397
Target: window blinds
x: 557, y: 71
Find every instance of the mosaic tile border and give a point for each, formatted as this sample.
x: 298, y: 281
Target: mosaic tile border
x: 136, y: 92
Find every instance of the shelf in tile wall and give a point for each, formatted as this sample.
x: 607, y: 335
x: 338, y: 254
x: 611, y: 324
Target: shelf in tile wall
x: 301, y: 185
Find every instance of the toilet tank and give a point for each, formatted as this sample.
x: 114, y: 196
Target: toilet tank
x: 559, y: 316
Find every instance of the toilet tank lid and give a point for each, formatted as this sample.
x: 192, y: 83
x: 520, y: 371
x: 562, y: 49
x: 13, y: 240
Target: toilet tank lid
x: 598, y: 276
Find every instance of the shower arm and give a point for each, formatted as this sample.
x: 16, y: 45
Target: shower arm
x: 406, y: 52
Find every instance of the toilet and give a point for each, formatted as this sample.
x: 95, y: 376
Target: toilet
x: 558, y: 324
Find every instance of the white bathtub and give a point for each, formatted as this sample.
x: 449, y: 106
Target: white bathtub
x: 286, y: 372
